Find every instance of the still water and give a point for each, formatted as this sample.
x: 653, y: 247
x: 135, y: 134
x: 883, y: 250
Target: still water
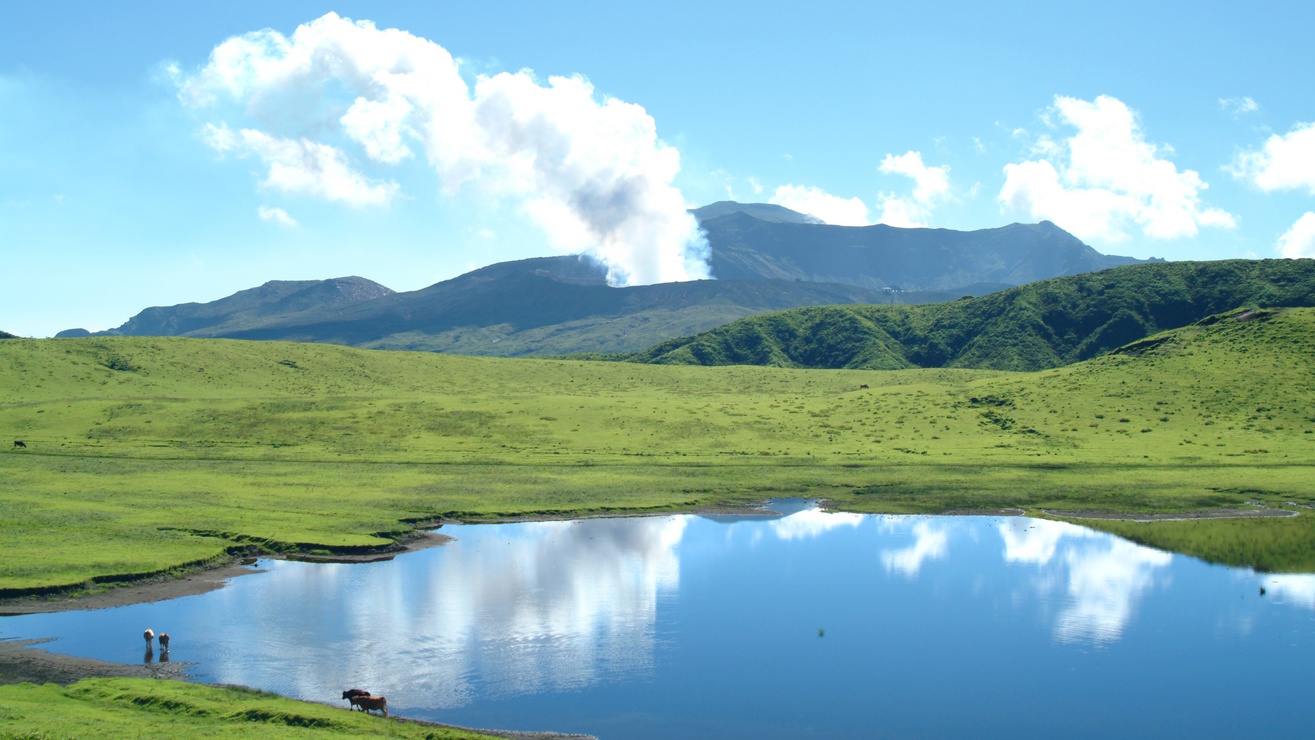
x: 803, y: 625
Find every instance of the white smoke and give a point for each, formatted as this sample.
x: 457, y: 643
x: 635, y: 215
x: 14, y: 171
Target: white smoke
x: 592, y: 173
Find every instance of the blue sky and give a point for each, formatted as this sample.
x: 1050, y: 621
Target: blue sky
x: 137, y: 169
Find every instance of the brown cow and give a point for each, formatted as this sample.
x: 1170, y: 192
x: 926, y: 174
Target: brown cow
x: 164, y: 641
x: 371, y: 704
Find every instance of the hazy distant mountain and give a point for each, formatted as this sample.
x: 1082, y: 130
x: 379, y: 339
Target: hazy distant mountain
x: 548, y: 305
x: 766, y: 258
x: 72, y: 333
x: 761, y: 211
x: 272, y: 301
x: 746, y: 246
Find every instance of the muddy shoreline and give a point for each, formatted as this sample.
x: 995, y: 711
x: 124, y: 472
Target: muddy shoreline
x: 198, y: 581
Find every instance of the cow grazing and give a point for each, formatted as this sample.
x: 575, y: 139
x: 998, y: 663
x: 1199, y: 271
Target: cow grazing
x: 150, y: 637
x: 20, y: 443
x: 371, y: 704
x: 863, y: 387
x: 164, y: 641
x: 351, y: 695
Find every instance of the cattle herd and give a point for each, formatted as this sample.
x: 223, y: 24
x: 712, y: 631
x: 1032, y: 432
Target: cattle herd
x: 362, y: 700
x: 150, y: 638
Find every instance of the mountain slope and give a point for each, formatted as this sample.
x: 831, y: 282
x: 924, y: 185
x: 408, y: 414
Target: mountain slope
x: 1041, y: 325
x: 274, y: 300
x: 7, y: 335
x: 546, y: 305
x: 746, y: 247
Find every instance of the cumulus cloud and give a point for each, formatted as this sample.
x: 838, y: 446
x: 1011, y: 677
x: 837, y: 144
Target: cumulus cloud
x: 1238, y: 106
x: 818, y: 203
x: 590, y: 171
x: 1106, y: 178
x: 275, y: 215
x: 931, y: 184
x: 1299, y: 241
x: 302, y: 166
x: 1285, y: 162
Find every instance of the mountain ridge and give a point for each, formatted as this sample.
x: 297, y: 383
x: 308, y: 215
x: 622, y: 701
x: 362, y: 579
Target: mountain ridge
x: 1041, y: 325
x: 563, y: 305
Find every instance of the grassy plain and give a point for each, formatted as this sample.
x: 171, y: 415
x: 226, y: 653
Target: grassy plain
x: 139, y: 707
x: 144, y: 454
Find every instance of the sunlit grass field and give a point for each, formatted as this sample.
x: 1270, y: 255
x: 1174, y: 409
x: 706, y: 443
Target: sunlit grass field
x: 138, y: 707
x: 143, y: 454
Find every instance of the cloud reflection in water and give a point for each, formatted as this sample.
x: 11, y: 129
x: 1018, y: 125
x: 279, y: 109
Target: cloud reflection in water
x: 1106, y: 576
x: 503, y: 611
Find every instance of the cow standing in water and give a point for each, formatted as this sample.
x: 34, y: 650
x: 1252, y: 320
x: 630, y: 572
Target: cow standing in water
x: 164, y: 642
x: 150, y: 637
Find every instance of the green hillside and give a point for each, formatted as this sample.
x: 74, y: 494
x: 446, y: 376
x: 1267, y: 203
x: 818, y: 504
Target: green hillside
x: 1041, y: 325
x: 139, y: 707
x: 145, y: 454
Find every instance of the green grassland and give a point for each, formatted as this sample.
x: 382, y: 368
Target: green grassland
x: 138, y: 707
x: 147, y: 454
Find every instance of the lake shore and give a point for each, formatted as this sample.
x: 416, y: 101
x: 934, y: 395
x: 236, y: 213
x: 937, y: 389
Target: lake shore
x: 196, y: 581
x: 203, y: 579
x: 24, y: 661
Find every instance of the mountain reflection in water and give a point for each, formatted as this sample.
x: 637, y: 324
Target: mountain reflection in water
x: 803, y: 624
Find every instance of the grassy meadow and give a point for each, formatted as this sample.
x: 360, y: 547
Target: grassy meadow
x: 146, y: 454
x: 140, y: 707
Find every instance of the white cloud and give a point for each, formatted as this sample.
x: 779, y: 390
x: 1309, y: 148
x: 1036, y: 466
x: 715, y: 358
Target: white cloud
x: 302, y: 166
x: 817, y: 202
x: 591, y: 172
x: 1238, y: 106
x: 1285, y: 162
x: 931, y: 184
x: 1299, y: 241
x: 755, y: 186
x: 275, y: 215
x: 1106, y: 178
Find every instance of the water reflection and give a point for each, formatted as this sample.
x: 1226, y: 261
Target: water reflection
x: 608, y: 625
x: 1106, y: 577
x: 1291, y: 588
x: 506, y: 610
x: 929, y: 543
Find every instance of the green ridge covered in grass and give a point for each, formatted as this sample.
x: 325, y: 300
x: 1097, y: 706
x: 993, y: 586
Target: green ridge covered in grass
x: 138, y: 707
x: 1041, y: 325
x: 144, y: 454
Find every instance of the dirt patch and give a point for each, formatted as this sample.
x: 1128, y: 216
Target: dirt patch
x: 1008, y: 511
x: 20, y: 661
x: 1176, y: 516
